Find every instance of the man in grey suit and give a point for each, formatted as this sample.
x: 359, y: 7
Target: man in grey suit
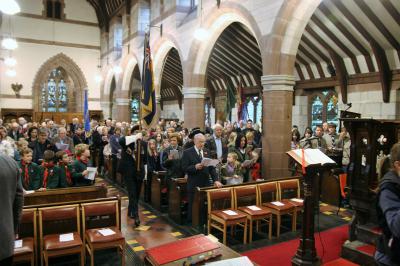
x: 12, y: 201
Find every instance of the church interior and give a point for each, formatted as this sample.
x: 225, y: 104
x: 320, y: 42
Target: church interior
x: 311, y: 88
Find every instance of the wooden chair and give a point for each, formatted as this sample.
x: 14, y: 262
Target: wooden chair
x: 54, y: 221
x: 289, y: 192
x: 93, y: 239
x: 219, y: 218
x: 271, y: 189
x: 28, y: 250
x: 246, y: 200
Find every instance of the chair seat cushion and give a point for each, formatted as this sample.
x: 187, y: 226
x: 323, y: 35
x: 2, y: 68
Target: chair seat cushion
x: 263, y: 212
x: 285, y: 207
x: 27, y: 247
x: 227, y: 217
x: 52, y: 242
x: 94, y: 236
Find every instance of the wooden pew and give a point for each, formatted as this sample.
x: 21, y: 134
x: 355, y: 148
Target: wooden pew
x: 158, y: 185
x: 61, y: 195
x: 199, y: 208
x: 177, y: 199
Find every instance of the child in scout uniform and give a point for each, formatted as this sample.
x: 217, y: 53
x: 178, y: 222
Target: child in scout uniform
x: 65, y: 165
x: 49, y: 171
x: 80, y: 165
x: 30, y: 172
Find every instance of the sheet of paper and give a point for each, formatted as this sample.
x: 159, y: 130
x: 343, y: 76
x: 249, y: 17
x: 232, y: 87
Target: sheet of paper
x: 240, y: 261
x: 130, y: 139
x: 254, y: 208
x: 314, y: 156
x: 174, y: 154
x: 229, y: 212
x: 297, y: 200
x: 62, y: 146
x: 247, y: 163
x: 278, y: 203
x: 66, y: 237
x: 209, y: 162
x: 106, y: 232
x: 92, y: 173
x: 27, y: 192
x: 18, y: 243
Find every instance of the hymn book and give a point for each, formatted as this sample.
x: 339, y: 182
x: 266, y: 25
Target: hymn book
x: 311, y: 157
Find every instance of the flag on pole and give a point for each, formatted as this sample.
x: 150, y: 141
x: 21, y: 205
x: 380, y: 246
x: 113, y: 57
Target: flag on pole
x: 230, y: 97
x: 242, y: 106
x: 86, y: 112
x: 148, y: 95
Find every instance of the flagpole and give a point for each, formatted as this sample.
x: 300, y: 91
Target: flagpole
x: 143, y: 79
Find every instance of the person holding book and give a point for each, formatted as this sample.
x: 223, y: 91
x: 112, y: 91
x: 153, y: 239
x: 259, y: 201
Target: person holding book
x: 49, y: 171
x: 80, y: 173
x: 64, y: 163
x: 231, y: 171
x: 172, y: 156
x: 153, y: 165
x: 62, y: 141
x: 243, y: 155
x: 30, y: 171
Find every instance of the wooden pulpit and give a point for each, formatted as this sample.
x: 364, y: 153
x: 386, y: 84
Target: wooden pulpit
x: 312, y: 162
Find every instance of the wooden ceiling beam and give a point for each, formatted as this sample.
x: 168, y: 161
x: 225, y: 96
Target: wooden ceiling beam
x: 299, y: 71
x: 338, y: 42
x: 325, y: 10
x: 306, y: 64
x: 313, y: 59
x: 385, y: 74
x: 315, y: 49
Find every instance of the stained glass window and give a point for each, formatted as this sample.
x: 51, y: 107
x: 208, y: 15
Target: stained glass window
x: 259, y: 112
x: 332, y: 110
x: 207, y: 111
x: 55, y: 93
x: 135, y: 108
x: 254, y: 108
x: 316, y: 112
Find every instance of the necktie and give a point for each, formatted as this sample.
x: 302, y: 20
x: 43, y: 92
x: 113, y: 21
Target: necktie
x: 200, y: 156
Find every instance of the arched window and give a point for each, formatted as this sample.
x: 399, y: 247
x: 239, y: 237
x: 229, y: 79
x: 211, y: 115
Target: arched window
x: 54, y: 9
x: 55, y: 92
x: 254, y: 108
x: 324, y: 108
x: 207, y: 111
x: 135, y: 108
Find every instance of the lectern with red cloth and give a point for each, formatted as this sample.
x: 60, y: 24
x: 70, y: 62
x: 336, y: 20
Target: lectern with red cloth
x: 311, y: 161
x: 186, y: 251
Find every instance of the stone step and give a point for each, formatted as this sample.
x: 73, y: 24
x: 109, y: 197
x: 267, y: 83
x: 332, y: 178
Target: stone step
x: 340, y: 262
x: 368, y: 233
x: 359, y: 252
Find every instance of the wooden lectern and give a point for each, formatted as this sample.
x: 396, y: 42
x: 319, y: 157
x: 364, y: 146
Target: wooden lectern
x: 312, y: 162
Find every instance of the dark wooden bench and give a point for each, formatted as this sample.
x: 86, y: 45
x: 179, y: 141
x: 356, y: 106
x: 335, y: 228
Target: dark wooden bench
x: 177, y: 199
x: 159, y: 189
x: 60, y: 195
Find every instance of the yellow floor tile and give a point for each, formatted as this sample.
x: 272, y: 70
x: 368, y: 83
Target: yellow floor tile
x: 323, y: 204
x: 143, y: 228
x: 139, y: 248
x: 176, y: 234
x: 151, y: 216
x: 132, y: 241
x: 328, y: 213
x: 347, y: 218
x: 146, y: 212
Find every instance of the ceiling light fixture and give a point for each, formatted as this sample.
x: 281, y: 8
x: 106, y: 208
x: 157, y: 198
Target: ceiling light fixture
x: 9, y: 7
x: 9, y: 61
x: 11, y: 73
x: 117, y: 70
x: 9, y: 43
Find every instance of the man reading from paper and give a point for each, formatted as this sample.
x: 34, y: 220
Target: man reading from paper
x: 198, y: 174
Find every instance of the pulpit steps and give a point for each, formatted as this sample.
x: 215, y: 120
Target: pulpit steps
x: 359, y: 252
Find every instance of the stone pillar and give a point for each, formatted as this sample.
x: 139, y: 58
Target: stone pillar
x: 105, y: 106
x: 220, y: 105
x: 193, y: 109
x: 122, y: 110
x: 158, y: 107
x: 277, y: 124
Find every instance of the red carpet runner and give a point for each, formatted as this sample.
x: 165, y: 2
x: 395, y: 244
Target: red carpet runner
x: 282, y: 253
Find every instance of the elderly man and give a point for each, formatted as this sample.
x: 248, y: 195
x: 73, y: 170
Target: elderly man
x: 62, y: 141
x: 217, y: 144
x: 6, y: 148
x: 12, y: 201
x: 15, y: 132
x: 198, y: 174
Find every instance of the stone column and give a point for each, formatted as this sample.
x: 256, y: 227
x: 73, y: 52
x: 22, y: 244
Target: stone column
x: 105, y: 106
x: 277, y: 124
x: 158, y: 107
x: 193, y: 108
x: 123, y: 112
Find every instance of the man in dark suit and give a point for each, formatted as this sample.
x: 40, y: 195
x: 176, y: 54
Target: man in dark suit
x: 217, y: 144
x: 12, y: 201
x: 198, y: 174
x: 15, y: 132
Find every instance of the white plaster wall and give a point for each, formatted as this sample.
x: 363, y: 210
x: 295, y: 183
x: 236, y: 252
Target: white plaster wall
x: 171, y: 110
x: 300, y: 112
x: 30, y: 56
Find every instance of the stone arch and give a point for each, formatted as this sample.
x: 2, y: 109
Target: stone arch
x: 78, y: 85
x: 129, y: 64
x: 161, y: 50
x: 216, y: 22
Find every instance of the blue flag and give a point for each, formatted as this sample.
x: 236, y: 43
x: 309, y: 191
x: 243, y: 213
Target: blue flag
x: 86, y: 112
x: 148, y: 95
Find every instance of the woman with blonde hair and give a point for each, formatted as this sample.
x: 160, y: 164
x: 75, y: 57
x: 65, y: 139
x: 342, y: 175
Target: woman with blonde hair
x: 231, y: 171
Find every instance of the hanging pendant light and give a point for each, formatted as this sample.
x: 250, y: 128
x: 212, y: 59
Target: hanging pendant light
x: 11, y: 73
x: 98, y: 78
x: 9, y: 43
x: 10, y: 61
x: 9, y: 7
